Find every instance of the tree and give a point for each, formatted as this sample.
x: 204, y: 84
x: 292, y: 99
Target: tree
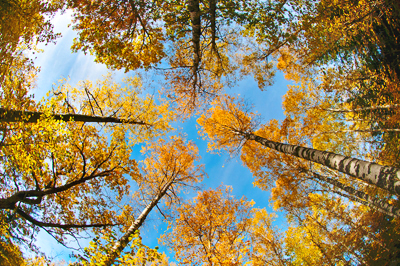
x: 62, y: 178
x: 343, y: 49
x: 199, y: 42
x: 306, y: 190
x: 218, y: 54
x: 68, y: 176
x: 122, y: 35
x: 227, y: 126
x: 211, y: 229
x: 267, y: 240
x: 168, y: 168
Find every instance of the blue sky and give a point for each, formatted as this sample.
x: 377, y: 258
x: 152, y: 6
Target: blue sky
x: 58, y: 62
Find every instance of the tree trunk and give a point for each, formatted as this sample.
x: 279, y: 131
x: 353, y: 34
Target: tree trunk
x: 213, y: 8
x: 388, y: 106
x: 385, y: 177
x: 194, y: 10
x: 366, y: 203
x: 361, y: 197
x: 33, y: 117
x: 124, y: 240
x: 362, y: 130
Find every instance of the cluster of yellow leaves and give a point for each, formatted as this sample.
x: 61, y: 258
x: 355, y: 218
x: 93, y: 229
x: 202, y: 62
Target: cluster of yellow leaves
x: 17, y: 81
x: 10, y: 254
x: 28, y: 147
x: 125, y: 101
x: 307, y: 107
x: 316, y: 237
x: 122, y: 35
x: 170, y: 162
x: 287, y: 63
x: 224, y: 120
x: 24, y: 23
x: 212, y: 228
x: 332, y: 233
x: 138, y: 253
x: 266, y: 240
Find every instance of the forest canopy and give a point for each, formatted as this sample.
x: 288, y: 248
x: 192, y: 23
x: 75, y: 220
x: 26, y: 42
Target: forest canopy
x: 93, y: 163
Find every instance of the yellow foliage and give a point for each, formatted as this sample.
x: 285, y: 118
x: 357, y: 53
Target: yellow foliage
x: 138, y: 254
x: 122, y: 35
x: 211, y: 228
x: 222, y: 122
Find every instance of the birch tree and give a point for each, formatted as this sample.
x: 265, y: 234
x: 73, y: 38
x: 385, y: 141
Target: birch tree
x: 169, y: 167
x: 228, y: 125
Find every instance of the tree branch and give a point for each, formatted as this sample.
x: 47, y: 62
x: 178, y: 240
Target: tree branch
x: 33, y: 117
x: 62, y: 226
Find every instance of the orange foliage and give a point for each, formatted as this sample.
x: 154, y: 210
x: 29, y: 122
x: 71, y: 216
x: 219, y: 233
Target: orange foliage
x: 211, y: 229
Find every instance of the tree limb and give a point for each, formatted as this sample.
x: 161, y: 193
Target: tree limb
x: 33, y: 117
x: 62, y: 226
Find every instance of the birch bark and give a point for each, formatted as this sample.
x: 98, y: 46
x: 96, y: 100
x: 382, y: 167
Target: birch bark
x: 385, y: 177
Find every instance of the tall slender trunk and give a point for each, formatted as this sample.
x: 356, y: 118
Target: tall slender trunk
x: 368, y: 203
x: 213, y: 7
x: 385, y: 177
x: 194, y: 11
x: 124, y: 240
x: 362, y: 130
x: 361, y: 197
x: 33, y: 117
x: 388, y: 106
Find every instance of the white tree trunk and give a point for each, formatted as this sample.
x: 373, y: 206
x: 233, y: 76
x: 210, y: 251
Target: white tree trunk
x: 385, y: 177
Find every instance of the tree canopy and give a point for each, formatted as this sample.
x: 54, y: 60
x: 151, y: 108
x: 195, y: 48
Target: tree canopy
x: 70, y: 164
